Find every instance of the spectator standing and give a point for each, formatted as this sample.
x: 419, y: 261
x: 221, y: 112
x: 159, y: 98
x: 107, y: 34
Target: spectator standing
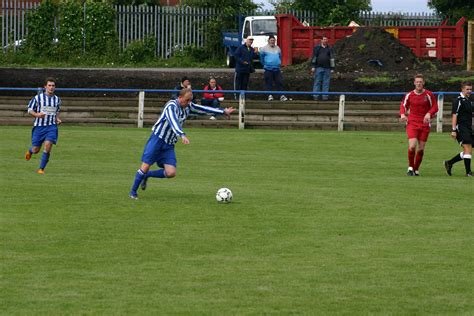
x: 417, y: 109
x: 270, y: 58
x: 44, y: 107
x: 463, y: 107
x: 244, y: 56
x: 322, y: 64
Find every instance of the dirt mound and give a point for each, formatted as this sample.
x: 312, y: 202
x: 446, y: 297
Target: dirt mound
x: 373, y: 49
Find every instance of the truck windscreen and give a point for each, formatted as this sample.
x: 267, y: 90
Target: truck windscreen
x: 264, y: 27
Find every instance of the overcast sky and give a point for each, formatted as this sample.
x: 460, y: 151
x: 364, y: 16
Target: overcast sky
x: 384, y: 5
x: 401, y: 5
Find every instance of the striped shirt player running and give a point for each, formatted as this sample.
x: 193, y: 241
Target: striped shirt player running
x: 417, y: 108
x: 463, y: 108
x: 160, y: 146
x: 44, y: 107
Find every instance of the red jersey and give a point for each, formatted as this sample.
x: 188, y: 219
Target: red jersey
x: 212, y: 94
x: 418, y: 104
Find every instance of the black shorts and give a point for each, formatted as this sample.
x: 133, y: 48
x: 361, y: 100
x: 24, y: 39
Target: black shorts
x: 464, y: 135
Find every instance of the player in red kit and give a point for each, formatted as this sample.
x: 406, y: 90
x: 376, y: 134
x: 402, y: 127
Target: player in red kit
x: 417, y: 109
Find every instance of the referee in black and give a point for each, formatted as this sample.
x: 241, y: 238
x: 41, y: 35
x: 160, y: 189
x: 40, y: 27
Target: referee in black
x: 463, y: 107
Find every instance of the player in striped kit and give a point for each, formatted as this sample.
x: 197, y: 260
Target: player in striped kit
x: 418, y: 107
x: 463, y: 108
x: 160, y: 146
x: 44, y: 107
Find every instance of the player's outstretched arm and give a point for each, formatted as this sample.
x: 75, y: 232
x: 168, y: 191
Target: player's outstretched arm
x: 184, y: 139
x: 228, y: 112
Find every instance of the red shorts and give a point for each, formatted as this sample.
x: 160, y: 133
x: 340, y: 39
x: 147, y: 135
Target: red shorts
x: 418, y: 130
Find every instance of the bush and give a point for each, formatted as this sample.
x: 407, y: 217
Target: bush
x: 41, y: 29
x: 194, y: 53
x: 140, y: 51
x: 70, y: 38
x: 60, y: 30
x: 99, y: 26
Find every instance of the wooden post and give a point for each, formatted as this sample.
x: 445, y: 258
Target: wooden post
x: 242, y: 110
x: 141, y: 108
x: 439, y: 117
x: 470, y: 46
x: 340, y: 119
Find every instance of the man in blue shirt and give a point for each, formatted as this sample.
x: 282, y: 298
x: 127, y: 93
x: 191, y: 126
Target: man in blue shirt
x: 160, y: 146
x: 44, y: 107
x: 270, y: 57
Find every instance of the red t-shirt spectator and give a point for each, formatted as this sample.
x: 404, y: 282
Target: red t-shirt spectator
x: 212, y: 94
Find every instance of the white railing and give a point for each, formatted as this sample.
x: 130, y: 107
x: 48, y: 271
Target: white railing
x: 242, y: 100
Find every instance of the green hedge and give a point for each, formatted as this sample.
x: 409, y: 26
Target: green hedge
x: 67, y: 29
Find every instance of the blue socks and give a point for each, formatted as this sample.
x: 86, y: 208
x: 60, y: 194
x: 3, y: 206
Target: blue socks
x: 44, y: 160
x: 139, y: 176
x: 160, y: 173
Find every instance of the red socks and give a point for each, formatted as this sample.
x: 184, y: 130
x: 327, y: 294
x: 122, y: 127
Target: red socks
x: 411, y: 158
x: 418, y: 159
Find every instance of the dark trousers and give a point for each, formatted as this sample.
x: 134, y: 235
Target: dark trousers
x: 241, y: 80
x: 210, y: 102
x: 273, y: 79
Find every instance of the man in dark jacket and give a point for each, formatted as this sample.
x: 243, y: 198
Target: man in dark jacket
x: 244, y: 56
x: 183, y: 84
x: 321, y: 65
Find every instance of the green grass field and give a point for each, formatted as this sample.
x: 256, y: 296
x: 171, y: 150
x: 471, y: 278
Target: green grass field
x: 321, y: 222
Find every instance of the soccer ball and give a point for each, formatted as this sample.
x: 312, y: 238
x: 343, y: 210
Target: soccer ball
x: 224, y: 195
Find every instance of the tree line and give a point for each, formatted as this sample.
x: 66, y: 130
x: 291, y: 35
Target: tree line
x: 64, y: 30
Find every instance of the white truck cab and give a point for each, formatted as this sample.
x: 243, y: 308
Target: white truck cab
x: 259, y: 27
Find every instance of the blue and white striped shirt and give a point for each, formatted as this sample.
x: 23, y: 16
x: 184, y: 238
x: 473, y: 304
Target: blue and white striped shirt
x: 169, y: 125
x: 48, y: 104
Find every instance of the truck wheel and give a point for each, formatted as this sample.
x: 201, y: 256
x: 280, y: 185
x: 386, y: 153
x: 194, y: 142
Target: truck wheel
x: 230, y: 61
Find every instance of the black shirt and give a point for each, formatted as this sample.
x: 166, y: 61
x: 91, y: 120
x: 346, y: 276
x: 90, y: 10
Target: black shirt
x: 323, y: 57
x: 463, y: 108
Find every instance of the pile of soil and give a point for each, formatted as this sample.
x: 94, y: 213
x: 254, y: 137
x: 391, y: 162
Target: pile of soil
x: 372, y: 49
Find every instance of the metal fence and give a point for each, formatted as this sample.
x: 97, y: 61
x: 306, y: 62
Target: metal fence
x: 14, y: 28
x: 369, y: 18
x: 177, y: 27
x: 305, y: 16
x: 173, y: 27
